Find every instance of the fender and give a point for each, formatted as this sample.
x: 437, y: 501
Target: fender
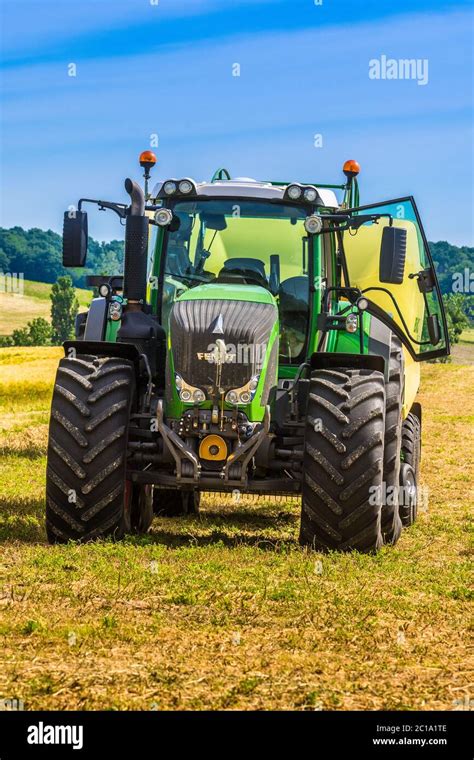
x: 102, y: 348
x: 352, y: 361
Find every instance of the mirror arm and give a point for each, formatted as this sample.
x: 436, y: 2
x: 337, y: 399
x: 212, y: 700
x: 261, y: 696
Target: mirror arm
x: 342, y: 254
x: 345, y: 221
x: 121, y: 209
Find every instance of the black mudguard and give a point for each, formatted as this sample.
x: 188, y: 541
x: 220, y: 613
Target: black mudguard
x: 321, y: 360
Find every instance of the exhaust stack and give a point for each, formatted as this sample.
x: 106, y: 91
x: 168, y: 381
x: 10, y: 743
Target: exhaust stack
x: 136, y: 247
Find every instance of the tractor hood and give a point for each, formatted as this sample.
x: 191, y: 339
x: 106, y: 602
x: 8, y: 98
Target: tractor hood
x: 220, y: 336
x: 228, y: 292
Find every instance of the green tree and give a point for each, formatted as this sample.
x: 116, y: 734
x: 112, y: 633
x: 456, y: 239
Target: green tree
x: 40, y: 332
x: 36, y: 333
x: 456, y: 315
x: 64, y: 307
x: 21, y: 336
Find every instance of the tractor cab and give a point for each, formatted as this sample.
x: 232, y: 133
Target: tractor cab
x: 235, y: 245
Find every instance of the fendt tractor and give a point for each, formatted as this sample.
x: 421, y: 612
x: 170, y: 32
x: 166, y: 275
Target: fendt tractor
x: 264, y: 338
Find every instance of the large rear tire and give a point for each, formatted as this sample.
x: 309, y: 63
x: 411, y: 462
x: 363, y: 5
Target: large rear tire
x: 87, y: 446
x: 394, y: 391
x: 343, y: 461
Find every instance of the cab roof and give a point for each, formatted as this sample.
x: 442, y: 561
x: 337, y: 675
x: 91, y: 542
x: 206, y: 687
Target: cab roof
x: 245, y: 187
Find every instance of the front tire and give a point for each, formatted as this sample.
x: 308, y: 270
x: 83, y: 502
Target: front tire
x: 343, y: 461
x: 87, y: 446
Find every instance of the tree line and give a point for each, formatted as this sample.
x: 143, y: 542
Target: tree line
x: 38, y: 255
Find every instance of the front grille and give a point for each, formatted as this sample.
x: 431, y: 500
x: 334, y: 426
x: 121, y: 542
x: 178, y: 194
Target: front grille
x: 244, y: 326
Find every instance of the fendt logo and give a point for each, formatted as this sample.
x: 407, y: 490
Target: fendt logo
x: 41, y: 734
x: 229, y: 353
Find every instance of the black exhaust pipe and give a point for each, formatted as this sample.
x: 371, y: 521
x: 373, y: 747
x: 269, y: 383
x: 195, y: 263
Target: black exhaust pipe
x: 136, y: 246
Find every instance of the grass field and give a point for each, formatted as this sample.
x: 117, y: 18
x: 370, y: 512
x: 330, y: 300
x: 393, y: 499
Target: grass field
x: 226, y: 611
x: 463, y: 352
x: 17, y: 309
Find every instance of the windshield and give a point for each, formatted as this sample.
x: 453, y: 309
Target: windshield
x: 243, y: 243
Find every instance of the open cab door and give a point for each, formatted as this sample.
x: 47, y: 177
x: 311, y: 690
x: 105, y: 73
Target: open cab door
x: 390, y: 262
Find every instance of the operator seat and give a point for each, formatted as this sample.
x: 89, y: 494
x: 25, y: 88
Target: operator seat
x: 245, y: 271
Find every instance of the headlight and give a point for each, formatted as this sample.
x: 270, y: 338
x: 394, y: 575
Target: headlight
x: 245, y: 394
x: 352, y: 323
x: 163, y: 217
x: 313, y: 224
x: 188, y: 393
x: 310, y: 194
x: 294, y: 192
x: 185, y: 186
x: 170, y: 187
x: 115, y: 311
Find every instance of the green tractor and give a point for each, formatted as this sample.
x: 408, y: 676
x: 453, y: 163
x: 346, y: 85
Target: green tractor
x: 265, y: 338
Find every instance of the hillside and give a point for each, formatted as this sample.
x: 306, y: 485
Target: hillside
x: 37, y: 254
x: 16, y: 310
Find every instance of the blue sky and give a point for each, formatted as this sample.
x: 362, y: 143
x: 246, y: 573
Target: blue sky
x: 166, y: 69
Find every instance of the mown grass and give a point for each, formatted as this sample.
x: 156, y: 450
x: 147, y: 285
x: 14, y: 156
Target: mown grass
x: 17, y: 309
x: 226, y: 611
x: 463, y: 352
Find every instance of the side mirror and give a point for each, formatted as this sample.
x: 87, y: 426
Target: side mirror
x: 393, y: 251
x: 214, y: 221
x: 75, y: 239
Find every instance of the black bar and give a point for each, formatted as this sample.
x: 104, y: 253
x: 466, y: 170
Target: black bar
x: 142, y: 734
x: 269, y: 486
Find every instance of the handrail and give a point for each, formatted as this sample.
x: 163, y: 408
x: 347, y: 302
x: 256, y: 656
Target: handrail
x: 316, y: 184
x: 218, y: 175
